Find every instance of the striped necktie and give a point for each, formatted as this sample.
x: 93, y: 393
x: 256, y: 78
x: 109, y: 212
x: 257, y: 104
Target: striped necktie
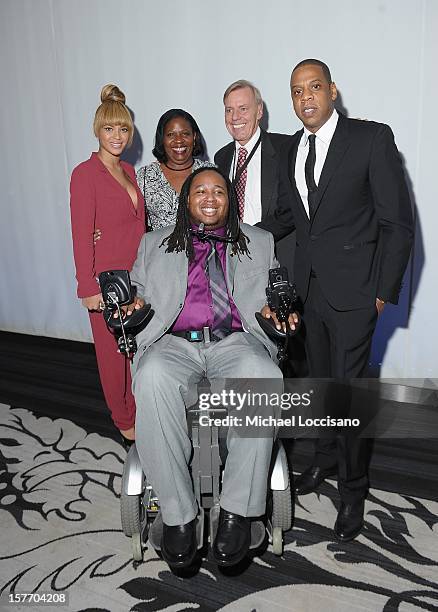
x: 220, y: 300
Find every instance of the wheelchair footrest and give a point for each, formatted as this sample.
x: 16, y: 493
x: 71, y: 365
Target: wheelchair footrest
x: 258, y: 531
x: 213, y: 522
x: 156, y: 531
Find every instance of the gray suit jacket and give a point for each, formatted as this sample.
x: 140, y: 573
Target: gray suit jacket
x: 161, y: 279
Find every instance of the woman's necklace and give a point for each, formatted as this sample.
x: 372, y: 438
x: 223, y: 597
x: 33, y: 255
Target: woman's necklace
x: 179, y: 169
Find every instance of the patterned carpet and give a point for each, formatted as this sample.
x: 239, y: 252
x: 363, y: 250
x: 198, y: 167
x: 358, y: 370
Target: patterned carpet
x: 60, y: 532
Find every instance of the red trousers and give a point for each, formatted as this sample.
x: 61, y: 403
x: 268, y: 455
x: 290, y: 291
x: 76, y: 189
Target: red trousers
x: 115, y: 374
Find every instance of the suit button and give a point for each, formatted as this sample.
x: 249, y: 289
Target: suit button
x: 313, y: 237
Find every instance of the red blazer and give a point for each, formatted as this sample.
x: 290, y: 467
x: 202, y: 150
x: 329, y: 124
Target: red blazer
x: 97, y: 200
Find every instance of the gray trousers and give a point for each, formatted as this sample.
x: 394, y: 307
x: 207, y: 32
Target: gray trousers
x: 164, y: 384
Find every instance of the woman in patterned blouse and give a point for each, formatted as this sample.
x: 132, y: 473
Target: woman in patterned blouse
x: 178, y: 142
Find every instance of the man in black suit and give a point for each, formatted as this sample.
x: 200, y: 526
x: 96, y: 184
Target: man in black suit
x: 257, y: 186
x: 343, y: 190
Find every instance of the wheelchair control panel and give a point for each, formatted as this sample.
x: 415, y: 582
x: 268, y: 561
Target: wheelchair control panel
x: 117, y: 291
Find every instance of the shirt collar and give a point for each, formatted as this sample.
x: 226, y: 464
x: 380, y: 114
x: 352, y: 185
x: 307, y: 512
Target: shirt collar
x: 251, y: 142
x: 96, y: 161
x: 326, y: 131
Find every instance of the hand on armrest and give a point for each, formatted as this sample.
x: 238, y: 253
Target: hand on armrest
x: 129, y: 309
x: 293, y: 319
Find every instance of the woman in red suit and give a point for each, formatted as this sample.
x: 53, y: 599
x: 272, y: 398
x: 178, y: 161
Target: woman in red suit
x: 104, y: 194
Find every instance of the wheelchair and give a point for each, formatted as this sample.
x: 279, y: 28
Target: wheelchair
x: 139, y: 505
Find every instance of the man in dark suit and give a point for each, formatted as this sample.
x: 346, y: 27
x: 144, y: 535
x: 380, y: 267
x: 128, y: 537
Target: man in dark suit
x: 343, y: 190
x: 257, y: 187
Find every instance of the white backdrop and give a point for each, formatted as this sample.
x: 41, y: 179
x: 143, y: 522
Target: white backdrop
x: 57, y: 54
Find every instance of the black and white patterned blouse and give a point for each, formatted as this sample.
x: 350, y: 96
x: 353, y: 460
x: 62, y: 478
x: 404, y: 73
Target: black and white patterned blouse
x: 160, y: 198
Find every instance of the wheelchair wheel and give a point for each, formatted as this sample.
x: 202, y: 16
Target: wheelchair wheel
x: 282, y: 509
x: 136, y: 547
x: 132, y: 514
x: 277, y: 541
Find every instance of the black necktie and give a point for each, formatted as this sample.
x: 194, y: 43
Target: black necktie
x: 309, y: 171
x: 222, y: 317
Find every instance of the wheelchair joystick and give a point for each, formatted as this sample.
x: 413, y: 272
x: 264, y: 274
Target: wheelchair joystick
x: 117, y: 291
x: 281, y: 297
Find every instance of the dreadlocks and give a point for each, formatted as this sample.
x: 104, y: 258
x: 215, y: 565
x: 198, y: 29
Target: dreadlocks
x: 181, y: 239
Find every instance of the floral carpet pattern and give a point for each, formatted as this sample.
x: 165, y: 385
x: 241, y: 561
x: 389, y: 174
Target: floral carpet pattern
x: 60, y: 532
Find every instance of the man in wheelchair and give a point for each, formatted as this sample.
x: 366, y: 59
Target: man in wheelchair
x: 205, y: 278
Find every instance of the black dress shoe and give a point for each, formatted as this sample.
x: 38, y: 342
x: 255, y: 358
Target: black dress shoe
x: 179, y: 544
x: 350, y: 521
x: 311, y: 479
x: 232, y: 539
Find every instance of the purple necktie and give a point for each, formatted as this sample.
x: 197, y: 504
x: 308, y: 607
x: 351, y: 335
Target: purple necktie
x: 221, y: 303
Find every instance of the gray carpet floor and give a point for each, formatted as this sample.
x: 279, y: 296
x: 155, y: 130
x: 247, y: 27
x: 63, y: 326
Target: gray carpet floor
x: 60, y: 533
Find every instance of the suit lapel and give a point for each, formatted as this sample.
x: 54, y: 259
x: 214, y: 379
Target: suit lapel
x: 227, y: 159
x: 337, y: 149
x: 231, y: 269
x: 268, y: 172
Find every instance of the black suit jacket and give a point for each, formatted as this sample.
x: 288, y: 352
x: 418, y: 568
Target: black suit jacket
x: 360, y: 237
x: 271, y: 145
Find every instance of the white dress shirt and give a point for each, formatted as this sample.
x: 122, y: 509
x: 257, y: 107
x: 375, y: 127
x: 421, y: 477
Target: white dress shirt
x: 322, y: 142
x: 252, y: 212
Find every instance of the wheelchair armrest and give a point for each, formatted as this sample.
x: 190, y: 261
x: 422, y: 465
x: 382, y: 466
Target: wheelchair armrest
x: 133, y: 324
x: 277, y: 335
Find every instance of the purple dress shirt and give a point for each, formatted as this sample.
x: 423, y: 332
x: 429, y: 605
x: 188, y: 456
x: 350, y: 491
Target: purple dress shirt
x: 197, y: 311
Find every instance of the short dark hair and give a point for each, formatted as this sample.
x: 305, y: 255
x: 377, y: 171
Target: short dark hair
x: 316, y: 62
x: 181, y: 238
x: 158, y: 151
